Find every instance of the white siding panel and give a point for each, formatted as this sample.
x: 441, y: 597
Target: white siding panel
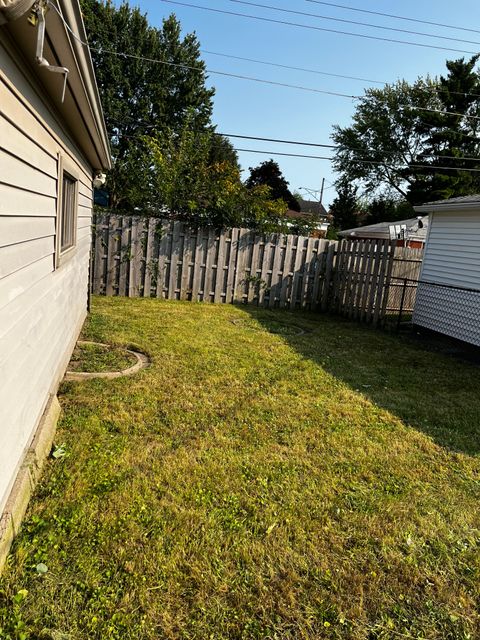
x: 458, y: 261
x: 18, y: 256
x: 15, y: 202
x: 14, y: 230
x: 41, y: 309
x: 18, y: 144
x: 16, y: 173
x: 17, y: 283
x: 452, y: 259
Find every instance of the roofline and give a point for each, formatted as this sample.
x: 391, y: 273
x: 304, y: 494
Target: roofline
x: 73, y: 15
x: 452, y: 206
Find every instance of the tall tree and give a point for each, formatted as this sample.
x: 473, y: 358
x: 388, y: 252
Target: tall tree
x: 141, y: 97
x: 451, y: 136
x: 385, y: 137
x: 191, y: 185
x: 269, y: 173
x: 401, y: 126
x: 345, y: 207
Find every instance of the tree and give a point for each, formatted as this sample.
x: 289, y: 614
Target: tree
x: 385, y: 137
x: 191, y: 186
x: 269, y: 173
x: 451, y: 136
x: 141, y: 97
x: 345, y: 207
x: 386, y: 209
x: 402, y: 126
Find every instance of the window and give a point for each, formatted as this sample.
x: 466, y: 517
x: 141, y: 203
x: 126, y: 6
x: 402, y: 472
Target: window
x: 66, y: 211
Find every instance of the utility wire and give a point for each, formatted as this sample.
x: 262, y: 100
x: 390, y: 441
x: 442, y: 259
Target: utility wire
x: 285, y: 66
x: 437, y: 89
x: 238, y: 76
x: 390, y: 15
x: 299, y: 155
x: 315, y: 28
x: 355, y: 22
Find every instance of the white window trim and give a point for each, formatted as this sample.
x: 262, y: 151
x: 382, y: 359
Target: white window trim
x: 65, y: 166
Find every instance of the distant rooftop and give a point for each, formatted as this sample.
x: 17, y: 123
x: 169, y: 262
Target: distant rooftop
x: 451, y: 204
x: 312, y: 207
x: 460, y: 199
x: 381, y: 230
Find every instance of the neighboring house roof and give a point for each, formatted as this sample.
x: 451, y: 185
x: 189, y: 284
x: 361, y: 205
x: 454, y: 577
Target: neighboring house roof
x: 452, y: 204
x: 81, y: 111
x: 312, y: 207
x: 382, y: 230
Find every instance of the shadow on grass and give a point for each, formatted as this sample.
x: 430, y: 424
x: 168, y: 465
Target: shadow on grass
x: 432, y: 391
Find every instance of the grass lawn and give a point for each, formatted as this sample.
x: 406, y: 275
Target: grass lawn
x: 271, y: 475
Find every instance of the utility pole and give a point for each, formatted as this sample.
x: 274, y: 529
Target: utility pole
x: 321, y: 190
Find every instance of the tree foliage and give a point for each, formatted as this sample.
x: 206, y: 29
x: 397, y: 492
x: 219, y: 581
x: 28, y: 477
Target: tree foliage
x: 345, y: 207
x: 141, y: 97
x: 269, y: 173
x: 192, y: 185
x: 401, y: 126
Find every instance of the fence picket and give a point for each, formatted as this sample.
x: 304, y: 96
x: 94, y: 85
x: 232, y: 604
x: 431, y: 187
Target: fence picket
x: 149, y: 268
x: 137, y: 256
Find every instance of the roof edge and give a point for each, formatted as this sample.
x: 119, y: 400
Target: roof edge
x: 73, y: 16
x: 448, y: 206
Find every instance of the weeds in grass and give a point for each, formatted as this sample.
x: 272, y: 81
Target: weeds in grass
x: 255, y: 484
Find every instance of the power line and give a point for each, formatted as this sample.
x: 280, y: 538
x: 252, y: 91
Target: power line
x: 315, y: 28
x: 285, y: 66
x: 355, y: 22
x: 390, y: 15
x: 436, y: 89
x: 410, y: 166
x: 330, y: 159
x: 203, y: 69
x: 273, y: 64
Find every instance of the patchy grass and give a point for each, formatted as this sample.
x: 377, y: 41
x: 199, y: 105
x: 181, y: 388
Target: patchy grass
x: 95, y: 358
x: 255, y: 482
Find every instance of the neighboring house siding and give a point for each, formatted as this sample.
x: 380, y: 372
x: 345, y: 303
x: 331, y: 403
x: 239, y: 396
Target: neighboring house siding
x: 41, y: 308
x: 452, y: 258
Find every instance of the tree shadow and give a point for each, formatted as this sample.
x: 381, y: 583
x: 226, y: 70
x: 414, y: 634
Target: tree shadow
x: 425, y: 383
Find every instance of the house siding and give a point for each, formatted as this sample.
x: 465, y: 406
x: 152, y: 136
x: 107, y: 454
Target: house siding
x: 42, y: 308
x: 452, y: 259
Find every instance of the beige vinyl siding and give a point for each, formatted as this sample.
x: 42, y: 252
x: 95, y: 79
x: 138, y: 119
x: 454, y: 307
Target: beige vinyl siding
x: 41, y: 308
x: 452, y: 258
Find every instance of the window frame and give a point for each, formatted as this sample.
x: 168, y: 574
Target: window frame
x: 65, y: 168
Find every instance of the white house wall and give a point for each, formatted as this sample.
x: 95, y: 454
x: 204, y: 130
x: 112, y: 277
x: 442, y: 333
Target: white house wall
x: 41, y: 309
x: 452, y: 259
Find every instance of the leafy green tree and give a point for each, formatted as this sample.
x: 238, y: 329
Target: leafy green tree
x: 190, y: 186
x: 141, y: 97
x: 386, y: 209
x: 401, y: 126
x: 386, y: 136
x: 269, y: 173
x: 451, y: 136
x: 345, y: 207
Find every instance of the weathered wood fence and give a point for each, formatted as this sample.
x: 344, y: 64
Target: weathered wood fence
x: 134, y: 256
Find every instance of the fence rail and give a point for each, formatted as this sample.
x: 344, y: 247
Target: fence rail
x: 148, y: 257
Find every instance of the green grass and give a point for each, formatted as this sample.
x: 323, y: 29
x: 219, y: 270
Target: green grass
x: 95, y: 358
x: 255, y: 482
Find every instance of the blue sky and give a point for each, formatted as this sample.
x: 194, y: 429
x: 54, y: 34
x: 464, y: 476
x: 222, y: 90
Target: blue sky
x: 249, y: 108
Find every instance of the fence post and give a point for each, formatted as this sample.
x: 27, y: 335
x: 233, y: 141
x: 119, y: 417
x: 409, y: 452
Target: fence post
x: 402, y: 302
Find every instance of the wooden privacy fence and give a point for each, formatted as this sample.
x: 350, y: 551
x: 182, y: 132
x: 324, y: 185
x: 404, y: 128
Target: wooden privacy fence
x: 148, y: 257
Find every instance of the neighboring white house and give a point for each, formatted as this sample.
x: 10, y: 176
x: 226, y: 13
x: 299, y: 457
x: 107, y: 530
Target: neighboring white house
x: 448, y: 298
x: 51, y: 147
x: 411, y: 233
